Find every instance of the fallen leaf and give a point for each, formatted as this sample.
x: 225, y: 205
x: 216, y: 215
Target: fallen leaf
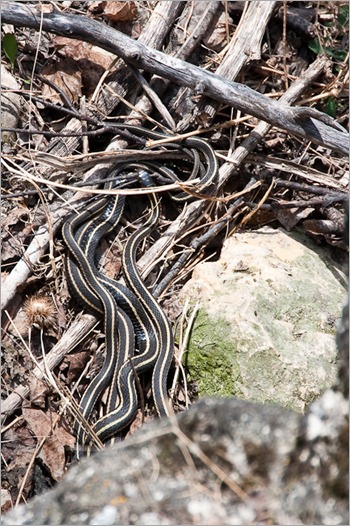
x: 11, y: 250
x: 111, y: 263
x: 45, y: 8
x: 216, y: 36
x: 17, y: 449
x: 53, y: 451
x: 259, y: 218
x: 96, y: 7
x: 291, y: 216
x: 21, y: 459
x: 276, y: 141
x: 91, y: 60
x: 11, y: 218
x: 6, y: 500
x: 53, y: 454
x: 38, y: 390
x: 16, y: 440
x: 75, y: 362
x: 66, y: 75
x: 79, y: 50
x: 120, y: 11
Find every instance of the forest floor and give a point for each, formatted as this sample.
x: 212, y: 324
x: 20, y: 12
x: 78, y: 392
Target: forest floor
x: 274, y: 169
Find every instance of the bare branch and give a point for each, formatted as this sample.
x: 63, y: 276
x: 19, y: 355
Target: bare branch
x: 180, y: 72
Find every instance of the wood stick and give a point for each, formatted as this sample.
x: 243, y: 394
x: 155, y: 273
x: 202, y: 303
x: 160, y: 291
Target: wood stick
x: 244, y: 47
x: 204, y: 82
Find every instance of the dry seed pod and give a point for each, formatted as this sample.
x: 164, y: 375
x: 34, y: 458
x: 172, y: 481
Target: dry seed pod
x: 40, y: 311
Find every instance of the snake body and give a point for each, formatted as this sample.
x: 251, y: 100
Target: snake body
x: 137, y: 332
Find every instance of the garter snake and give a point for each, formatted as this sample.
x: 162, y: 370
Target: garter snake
x: 114, y: 420
x: 118, y: 304
x: 87, y: 236
x: 121, y: 397
x: 208, y: 180
x: 135, y: 282
x: 117, y: 326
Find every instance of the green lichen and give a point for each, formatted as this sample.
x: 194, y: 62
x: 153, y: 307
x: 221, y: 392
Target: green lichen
x: 211, y: 357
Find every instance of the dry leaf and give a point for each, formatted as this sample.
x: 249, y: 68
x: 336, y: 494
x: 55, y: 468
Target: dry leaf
x: 78, y: 50
x: 96, y: 7
x: 217, y: 38
x: 22, y: 458
x: 138, y: 422
x: 75, y: 362
x: 12, y: 217
x: 92, y: 61
x: 53, y: 451
x: 120, y: 11
x: 6, y: 500
x: 17, y: 449
x: 291, y: 216
x: 111, y: 263
x: 38, y: 390
x: 66, y: 75
x: 45, y: 8
x: 260, y: 217
x: 15, y: 440
x: 11, y: 249
x: 275, y: 142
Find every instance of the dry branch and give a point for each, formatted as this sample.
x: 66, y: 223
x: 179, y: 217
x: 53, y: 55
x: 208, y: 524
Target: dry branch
x: 244, y: 46
x: 180, y: 72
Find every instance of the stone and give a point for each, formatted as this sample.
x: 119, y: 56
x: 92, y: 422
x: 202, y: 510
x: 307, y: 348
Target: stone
x: 10, y: 106
x: 267, y: 319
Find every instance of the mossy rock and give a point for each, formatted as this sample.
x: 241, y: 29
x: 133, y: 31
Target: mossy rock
x: 267, y: 319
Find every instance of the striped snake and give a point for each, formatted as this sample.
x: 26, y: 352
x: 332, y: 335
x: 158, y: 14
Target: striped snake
x: 138, y: 334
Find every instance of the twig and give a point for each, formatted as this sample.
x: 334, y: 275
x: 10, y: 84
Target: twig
x: 180, y: 72
x: 245, y: 46
x: 317, y: 190
x: 320, y: 202
x: 182, y: 349
x: 285, y: 165
x: 254, y: 210
x: 154, y: 98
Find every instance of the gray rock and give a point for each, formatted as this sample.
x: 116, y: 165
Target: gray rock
x: 10, y: 106
x: 267, y: 319
x: 222, y: 462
